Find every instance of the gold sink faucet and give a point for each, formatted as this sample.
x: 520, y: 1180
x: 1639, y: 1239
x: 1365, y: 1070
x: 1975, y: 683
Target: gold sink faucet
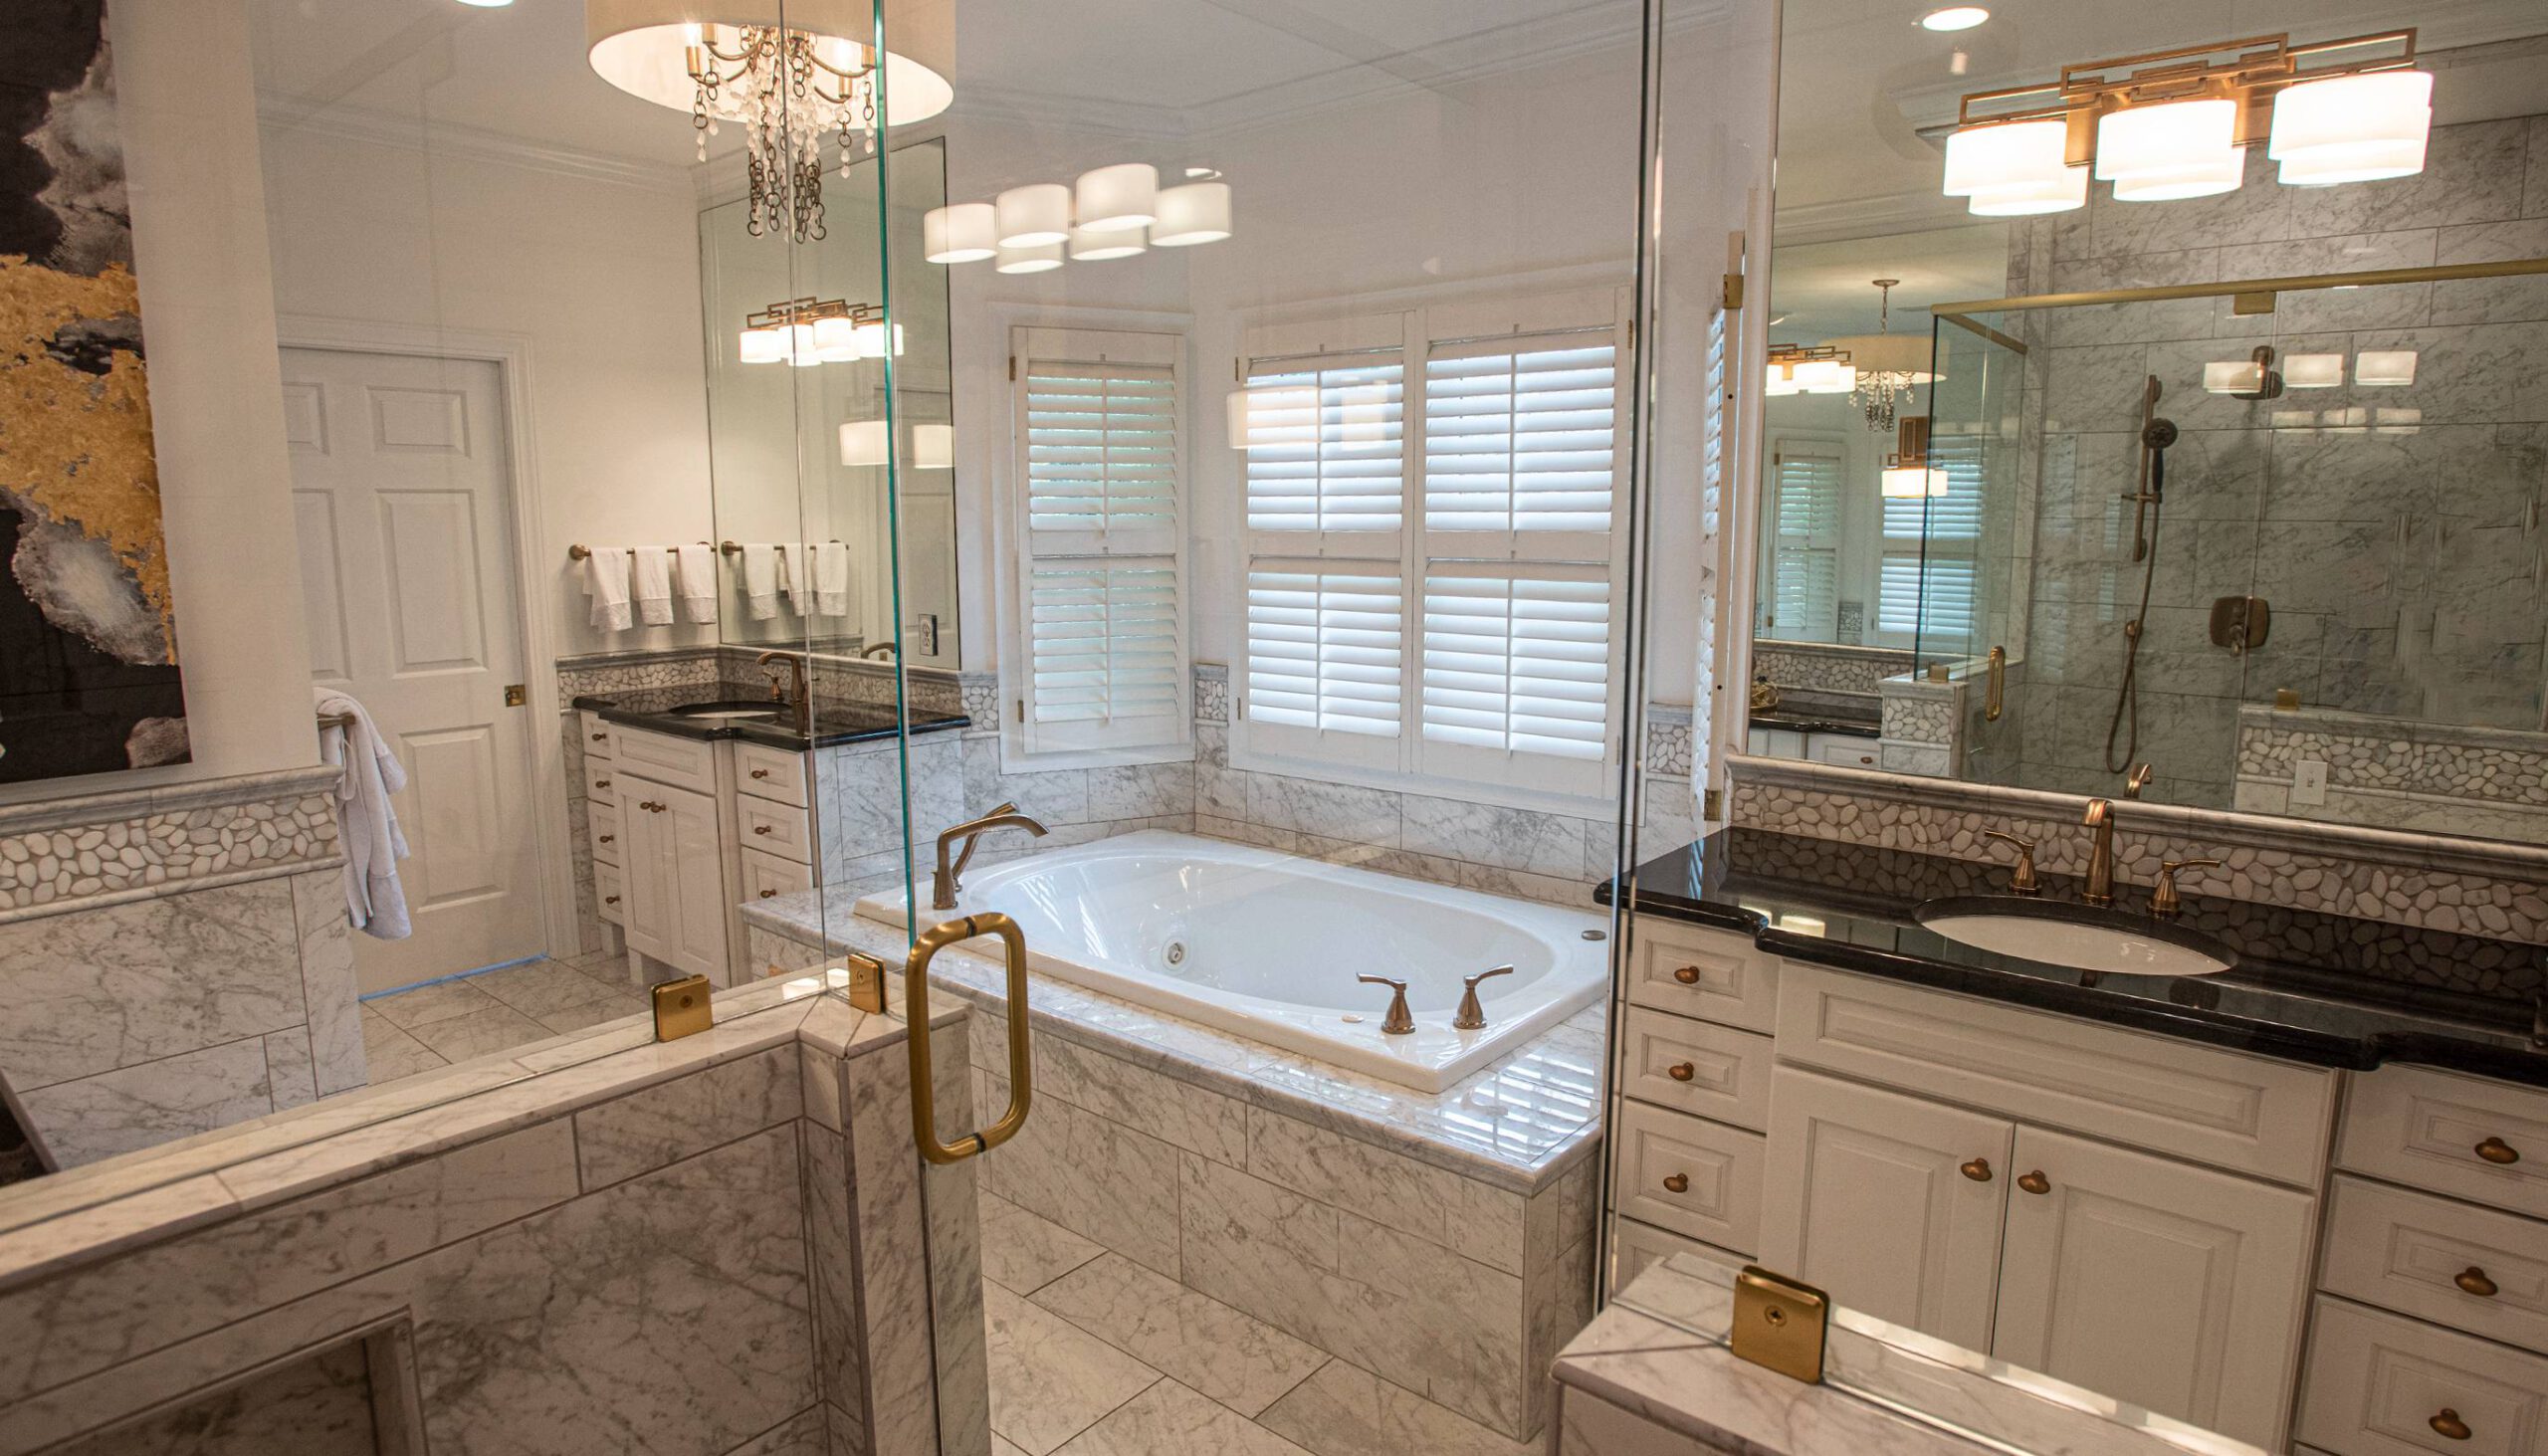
x: 798, y: 701
x: 951, y: 878
x: 2100, y: 887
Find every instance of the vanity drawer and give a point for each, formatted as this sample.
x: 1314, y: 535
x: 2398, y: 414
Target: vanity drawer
x: 600, y: 739
x: 773, y: 828
x: 1694, y: 1178
x: 1698, y: 1067
x: 608, y: 888
x: 1641, y: 1246
x: 2407, y: 1252
x: 600, y: 775
x: 2434, y: 1130
x: 1714, y: 975
x: 2378, y: 1384
x: 2146, y: 1091
x: 603, y: 817
x: 689, y: 763
x: 771, y: 774
x: 766, y: 876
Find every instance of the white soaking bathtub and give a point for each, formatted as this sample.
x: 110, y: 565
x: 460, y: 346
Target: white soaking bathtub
x: 1267, y: 945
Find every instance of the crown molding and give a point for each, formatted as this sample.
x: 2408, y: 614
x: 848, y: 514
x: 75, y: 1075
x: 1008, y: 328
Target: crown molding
x: 341, y: 122
x: 1920, y: 211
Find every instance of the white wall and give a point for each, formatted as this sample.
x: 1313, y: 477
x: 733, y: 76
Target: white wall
x: 600, y: 276
x: 216, y: 403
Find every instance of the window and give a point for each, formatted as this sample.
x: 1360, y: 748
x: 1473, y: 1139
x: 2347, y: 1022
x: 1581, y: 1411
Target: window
x: 1431, y: 571
x: 1099, y: 510
x: 1805, y: 540
x: 1929, y: 574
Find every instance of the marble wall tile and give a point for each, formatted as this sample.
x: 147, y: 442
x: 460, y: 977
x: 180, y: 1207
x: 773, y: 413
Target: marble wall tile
x: 320, y: 1405
x: 806, y: 1433
x: 1344, y: 1411
x: 888, y: 1213
x: 1488, y: 834
x: 671, y: 1121
x: 1242, y: 1363
x: 1098, y: 1178
x: 93, y: 1319
x: 1050, y: 1380
x: 1174, y: 1112
x: 1331, y: 810
x: 1557, y: 1305
x: 2463, y: 181
x: 1052, y: 796
x: 1140, y: 791
x: 132, y: 983
x: 952, y: 1212
x: 291, y: 1076
x: 1430, y: 1203
x: 832, y: 1264
x: 328, y: 986
x: 157, y: 1102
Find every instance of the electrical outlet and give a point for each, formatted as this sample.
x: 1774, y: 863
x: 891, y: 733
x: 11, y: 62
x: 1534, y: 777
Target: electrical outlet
x: 2309, y: 781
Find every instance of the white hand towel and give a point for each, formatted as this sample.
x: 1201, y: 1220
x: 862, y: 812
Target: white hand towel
x: 694, y: 581
x: 831, y: 580
x: 649, y: 576
x: 761, y: 582
x: 797, y: 561
x: 367, y: 823
x: 606, y: 582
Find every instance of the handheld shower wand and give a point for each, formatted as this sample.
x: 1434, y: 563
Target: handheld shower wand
x: 2156, y: 435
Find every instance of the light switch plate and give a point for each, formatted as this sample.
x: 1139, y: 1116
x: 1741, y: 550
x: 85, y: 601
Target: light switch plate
x: 2309, y: 781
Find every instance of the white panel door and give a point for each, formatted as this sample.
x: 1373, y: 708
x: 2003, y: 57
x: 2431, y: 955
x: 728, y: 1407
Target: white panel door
x: 1889, y: 1204
x: 403, y: 506
x: 2156, y: 1282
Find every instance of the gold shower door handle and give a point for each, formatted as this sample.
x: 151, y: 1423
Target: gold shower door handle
x: 1021, y: 1066
x: 1995, y: 688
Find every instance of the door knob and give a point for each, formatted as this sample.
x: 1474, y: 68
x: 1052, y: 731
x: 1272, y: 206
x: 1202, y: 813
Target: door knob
x: 2499, y: 1152
x: 2035, y: 1182
x: 1978, y: 1169
x: 1687, y: 975
x: 2473, y: 1280
x: 1681, y: 1071
x: 2446, y: 1424
x: 1677, y: 1183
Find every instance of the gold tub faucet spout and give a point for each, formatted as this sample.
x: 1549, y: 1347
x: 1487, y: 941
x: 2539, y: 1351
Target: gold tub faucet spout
x: 950, y: 878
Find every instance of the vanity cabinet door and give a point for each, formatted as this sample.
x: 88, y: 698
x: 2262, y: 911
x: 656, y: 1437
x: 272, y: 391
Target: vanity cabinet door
x: 1890, y: 1203
x: 2170, y: 1286
x: 644, y: 894
x: 694, y: 874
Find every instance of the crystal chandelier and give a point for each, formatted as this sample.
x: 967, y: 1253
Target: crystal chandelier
x: 1887, y: 363
x: 792, y: 87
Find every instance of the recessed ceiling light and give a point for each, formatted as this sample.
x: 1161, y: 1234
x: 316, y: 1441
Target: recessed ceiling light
x: 1954, y: 17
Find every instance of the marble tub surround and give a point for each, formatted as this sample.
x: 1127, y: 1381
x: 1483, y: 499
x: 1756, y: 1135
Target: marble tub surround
x: 2435, y: 882
x: 1442, y: 1243
x: 710, y: 1245
x: 1653, y: 1376
x: 179, y: 960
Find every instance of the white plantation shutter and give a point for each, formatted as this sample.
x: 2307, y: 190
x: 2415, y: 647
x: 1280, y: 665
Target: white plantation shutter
x: 1326, y: 446
x: 1099, y: 506
x: 1517, y: 661
x: 1517, y: 442
x: 1927, y: 580
x: 1326, y: 658
x: 1805, y: 539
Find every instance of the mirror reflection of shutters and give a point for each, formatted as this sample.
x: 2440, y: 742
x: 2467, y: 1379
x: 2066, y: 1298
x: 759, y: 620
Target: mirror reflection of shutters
x: 1805, y: 553
x: 1929, y: 576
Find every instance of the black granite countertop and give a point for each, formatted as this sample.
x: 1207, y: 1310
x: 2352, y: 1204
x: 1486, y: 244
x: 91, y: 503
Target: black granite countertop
x: 651, y: 709
x: 1808, y: 721
x: 2325, y: 989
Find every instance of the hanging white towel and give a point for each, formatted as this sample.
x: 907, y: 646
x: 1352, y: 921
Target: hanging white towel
x: 368, y: 825
x: 650, y: 584
x: 797, y: 565
x: 831, y: 580
x: 761, y: 582
x: 606, y: 582
x: 694, y: 581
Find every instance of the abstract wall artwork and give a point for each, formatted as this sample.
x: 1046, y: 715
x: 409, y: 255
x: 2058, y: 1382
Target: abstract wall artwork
x: 88, y: 678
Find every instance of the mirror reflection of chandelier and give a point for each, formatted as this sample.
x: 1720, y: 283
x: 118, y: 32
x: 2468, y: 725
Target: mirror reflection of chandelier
x: 1887, y: 363
x: 792, y: 87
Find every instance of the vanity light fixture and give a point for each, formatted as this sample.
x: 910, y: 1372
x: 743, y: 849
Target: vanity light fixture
x: 1886, y: 364
x: 966, y: 231
x: 1033, y: 215
x: 1092, y: 247
x: 1908, y: 472
x: 1115, y: 211
x: 1032, y: 258
x: 785, y: 70
x: 1797, y: 369
x: 808, y: 330
x: 1954, y: 18
x: 2167, y: 125
x: 1196, y: 212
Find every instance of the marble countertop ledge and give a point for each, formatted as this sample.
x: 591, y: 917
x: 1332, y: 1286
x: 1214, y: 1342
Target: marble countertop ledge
x: 1516, y: 1125
x: 1659, y: 1351
x: 162, y: 798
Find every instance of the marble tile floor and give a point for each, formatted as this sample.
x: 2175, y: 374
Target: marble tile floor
x: 434, y: 1026
x: 1092, y: 1355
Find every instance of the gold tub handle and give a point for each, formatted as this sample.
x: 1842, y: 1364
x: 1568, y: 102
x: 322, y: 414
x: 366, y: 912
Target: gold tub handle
x: 1021, y: 1067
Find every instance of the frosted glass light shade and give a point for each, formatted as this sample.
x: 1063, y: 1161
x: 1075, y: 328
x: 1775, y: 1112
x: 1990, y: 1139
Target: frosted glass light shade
x: 867, y: 342
x: 2314, y: 371
x: 1912, y: 482
x: 1095, y: 247
x: 1825, y: 376
x: 1033, y: 215
x: 803, y: 351
x: 2385, y: 367
x: 2233, y: 376
x: 835, y: 340
x: 934, y: 447
x: 2015, y: 171
x: 1038, y: 258
x: 1119, y: 198
x: 966, y: 231
x: 862, y: 442
x: 1198, y: 212
x: 765, y: 345
x: 2352, y: 128
x: 1782, y: 381
x: 2170, y: 150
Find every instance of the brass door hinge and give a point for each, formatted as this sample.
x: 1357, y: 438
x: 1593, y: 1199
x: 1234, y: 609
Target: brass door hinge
x: 681, y: 1008
x: 1779, y: 1323
x: 1712, y: 805
x: 1733, y: 292
x: 1012, y: 368
x: 516, y: 695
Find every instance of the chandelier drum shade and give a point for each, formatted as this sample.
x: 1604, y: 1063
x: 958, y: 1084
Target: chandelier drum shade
x: 791, y: 80
x: 1886, y: 364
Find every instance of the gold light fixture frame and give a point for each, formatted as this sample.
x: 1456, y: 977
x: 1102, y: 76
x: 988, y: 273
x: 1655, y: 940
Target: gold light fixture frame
x: 1791, y: 355
x: 2258, y: 68
x: 809, y: 309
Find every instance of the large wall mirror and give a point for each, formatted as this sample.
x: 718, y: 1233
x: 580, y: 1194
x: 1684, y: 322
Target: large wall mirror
x: 2050, y: 496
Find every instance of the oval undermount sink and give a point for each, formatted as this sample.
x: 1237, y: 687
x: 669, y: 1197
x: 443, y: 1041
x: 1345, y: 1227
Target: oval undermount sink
x: 2079, y: 936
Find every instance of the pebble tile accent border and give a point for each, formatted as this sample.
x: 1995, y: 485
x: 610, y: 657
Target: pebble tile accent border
x: 2496, y: 765
x: 60, y: 856
x: 1667, y: 739
x: 1830, y: 669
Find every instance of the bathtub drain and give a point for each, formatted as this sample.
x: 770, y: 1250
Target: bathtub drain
x: 1176, y: 952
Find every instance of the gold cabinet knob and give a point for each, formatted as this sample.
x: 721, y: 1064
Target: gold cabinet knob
x: 1687, y: 975
x: 1681, y: 1071
x: 770, y: 895
x: 1677, y: 1183
x: 602, y: 783
x: 2035, y: 1182
x: 611, y: 899
x: 602, y: 738
x: 2446, y: 1424
x: 760, y: 774
x: 761, y: 829
x: 2473, y: 1280
x: 2499, y: 1152
x: 1978, y: 1169
x: 607, y: 838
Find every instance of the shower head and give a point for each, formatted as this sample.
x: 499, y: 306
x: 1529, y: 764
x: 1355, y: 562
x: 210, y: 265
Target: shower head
x: 2159, y: 433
